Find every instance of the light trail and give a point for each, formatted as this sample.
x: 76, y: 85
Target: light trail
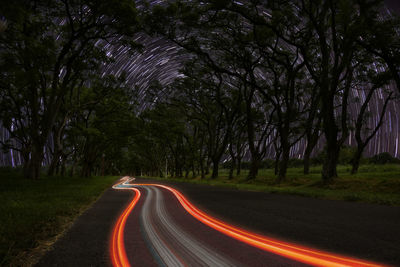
x: 188, y: 250
x: 299, y: 253
x: 117, y: 249
x: 288, y: 250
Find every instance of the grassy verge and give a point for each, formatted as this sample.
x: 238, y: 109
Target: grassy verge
x: 34, y: 213
x: 373, y: 184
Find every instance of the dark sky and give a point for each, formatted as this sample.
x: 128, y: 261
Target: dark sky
x: 393, y: 5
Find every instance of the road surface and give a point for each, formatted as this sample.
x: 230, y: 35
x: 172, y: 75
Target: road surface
x: 166, y: 229
x: 158, y: 230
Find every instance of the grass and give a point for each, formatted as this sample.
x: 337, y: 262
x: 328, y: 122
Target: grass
x: 378, y: 184
x: 32, y: 213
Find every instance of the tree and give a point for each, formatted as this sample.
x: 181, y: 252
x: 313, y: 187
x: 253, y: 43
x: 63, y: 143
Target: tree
x: 327, y: 45
x: 204, y: 98
x: 314, y: 46
x: 381, y: 38
x: 221, y: 41
x: 46, y: 49
x: 312, y: 127
x: 328, y: 37
x: 363, y: 132
x: 163, y: 138
x: 237, y: 145
x: 286, y: 94
x: 100, y: 124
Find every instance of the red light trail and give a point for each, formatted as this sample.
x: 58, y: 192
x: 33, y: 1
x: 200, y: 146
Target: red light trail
x: 288, y: 250
x: 118, y: 254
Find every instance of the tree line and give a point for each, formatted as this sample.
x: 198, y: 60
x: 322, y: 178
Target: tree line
x: 261, y: 75
x: 52, y: 93
x: 269, y: 73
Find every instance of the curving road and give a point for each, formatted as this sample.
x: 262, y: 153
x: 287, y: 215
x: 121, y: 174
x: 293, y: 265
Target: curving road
x: 160, y: 227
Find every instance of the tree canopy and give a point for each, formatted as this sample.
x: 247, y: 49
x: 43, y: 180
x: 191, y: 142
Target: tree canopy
x: 258, y: 76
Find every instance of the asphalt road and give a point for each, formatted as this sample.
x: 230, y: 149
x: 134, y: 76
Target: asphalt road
x: 160, y: 231
x: 366, y: 231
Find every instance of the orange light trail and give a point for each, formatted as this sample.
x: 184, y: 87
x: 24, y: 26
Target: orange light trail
x: 292, y: 251
x: 117, y: 248
x: 288, y: 250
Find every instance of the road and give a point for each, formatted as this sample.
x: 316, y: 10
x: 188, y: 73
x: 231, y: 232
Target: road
x: 161, y: 227
x: 358, y: 230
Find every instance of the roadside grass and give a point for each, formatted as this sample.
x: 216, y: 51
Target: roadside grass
x: 378, y: 184
x: 34, y: 213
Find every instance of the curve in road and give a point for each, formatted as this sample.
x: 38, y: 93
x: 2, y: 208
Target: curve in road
x: 174, y: 244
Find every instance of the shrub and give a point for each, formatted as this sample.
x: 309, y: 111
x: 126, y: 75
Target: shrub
x: 384, y: 158
x: 295, y: 163
x: 346, y: 154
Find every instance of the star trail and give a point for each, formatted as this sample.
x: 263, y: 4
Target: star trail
x: 160, y: 60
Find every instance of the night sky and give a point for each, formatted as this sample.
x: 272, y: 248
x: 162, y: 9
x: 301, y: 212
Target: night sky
x: 161, y: 60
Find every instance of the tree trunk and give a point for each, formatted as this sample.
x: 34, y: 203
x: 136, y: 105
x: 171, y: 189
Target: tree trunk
x: 231, y: 169
x: 202, y: 171
x: 25, y: 168
x: 215, y: 169
x: 87, y: 168
x: 329, y: 172
x: 180, y: 172
x: 50, y: 171
x: 254, y: 166
x: 312, y: 134
x: 276, y: 166
x: 75, y: 167
x: 312, y: 140
x: 54, y: 162
x: 84, y: 170
x: 239, y: 166
x: 72, y: 171
x: 208, y: 167
x: 277, y: 158
x: 283, y: 164
x: 233, y: 161
x: 32, y: 170
x: 177, y: 168
x: 356, y: 160
x: 194, y: 174
x: 306, y: 162
x: 57, y: 168
x: 63, y: 168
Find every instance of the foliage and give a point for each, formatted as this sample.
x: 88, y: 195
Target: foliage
x: 346, y: 154
x: 384, y: 158
x: 296, y: 65
x: 48, y: 51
